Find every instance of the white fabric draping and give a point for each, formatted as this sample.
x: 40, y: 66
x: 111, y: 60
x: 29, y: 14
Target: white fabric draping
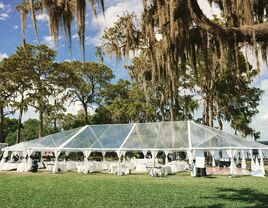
x: 191, y: 154
x: 231, y: 154
x: 56, y: 164
x: 24, y: 161
x: 257, y: 169
x: 257, y: 165
x: 252, y: 164
x: 5, y: 154
x: 261, y: 161
x: 103, y: 155
x: 212, y: 152
x: 243, y: 162
x: 166, y: 153
x: 144, y: 152
x: 29, y: 159
x: 154, y: 154
x: 86, y: 165
x: 66, y: 155
x: 119, y: 154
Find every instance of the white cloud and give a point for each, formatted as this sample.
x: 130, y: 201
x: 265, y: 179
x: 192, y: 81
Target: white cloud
x: 2, y: 6
x: 75, y: 36
x: 5, y: 9
x: 3, y: 16
x: 15, y: 27
x: 2, y: 56
x: 208, y: 10
x: 42, y: 17
x: 68, y: 60
x: 260, y: 122
x: 264, y: 84
x: 74, y: 108
x: 49, y: 41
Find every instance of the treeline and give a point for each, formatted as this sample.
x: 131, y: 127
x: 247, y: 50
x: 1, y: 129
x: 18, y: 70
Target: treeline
x: 31, y: 77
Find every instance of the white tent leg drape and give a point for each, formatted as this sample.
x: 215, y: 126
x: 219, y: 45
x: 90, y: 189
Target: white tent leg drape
x: 103, y: 155
x: 212, y: 152
x: 86, y: 165
x: 231, y: 154
x: 252, y: 165
x: 120, y: 154
x: 243, y: 162
x: 56, y: 164
x: 144, y: 153
x: 166, y: 153
x: 261, y: 161
x: 66, y: 155
x: 191, y: 155
x: 5, y: 154
x: 257, y: 171
x: 29, y: 159
x: 154, y: 154
x: 257, y: 165
x: 24, y: 160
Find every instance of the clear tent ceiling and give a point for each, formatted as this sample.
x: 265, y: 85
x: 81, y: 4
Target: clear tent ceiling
x: 178, y: 135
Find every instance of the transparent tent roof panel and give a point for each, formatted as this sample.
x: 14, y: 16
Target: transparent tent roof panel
x: 113, y: 137
x: 83, y: 140
x: 167, y: 135
x: 140, y: 136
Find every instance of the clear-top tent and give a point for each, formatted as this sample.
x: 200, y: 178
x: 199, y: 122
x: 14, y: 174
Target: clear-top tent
x: 159, y: 136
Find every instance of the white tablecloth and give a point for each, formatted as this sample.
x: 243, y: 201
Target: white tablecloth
x: 10, y: 166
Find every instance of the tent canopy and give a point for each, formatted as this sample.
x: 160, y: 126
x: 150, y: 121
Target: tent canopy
x: 177, y: 135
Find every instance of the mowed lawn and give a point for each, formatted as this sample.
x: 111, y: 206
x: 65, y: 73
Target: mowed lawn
x: 106, y: 190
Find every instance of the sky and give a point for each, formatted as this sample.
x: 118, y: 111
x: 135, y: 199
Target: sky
x: 10, y: 36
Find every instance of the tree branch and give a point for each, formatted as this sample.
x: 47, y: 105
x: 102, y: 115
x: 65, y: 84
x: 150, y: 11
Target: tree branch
x: 244, y: 33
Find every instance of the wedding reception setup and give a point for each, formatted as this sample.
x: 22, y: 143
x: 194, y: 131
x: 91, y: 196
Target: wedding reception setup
x: 200, y: 144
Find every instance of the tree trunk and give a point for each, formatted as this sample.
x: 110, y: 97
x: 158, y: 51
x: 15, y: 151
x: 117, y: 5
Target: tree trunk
x: 41, y: 123
x: 55, y: 124
x: 19, y: 126
x: 171, y: 103
x: 206, y: 111
x: 162, y: 110
x: 2, y: 139
x: 173, y: 136
x: 19, y: 120
x: 218, y: 114
x: 85, y: 113
x: 55, y: 117
x: 211, y: 114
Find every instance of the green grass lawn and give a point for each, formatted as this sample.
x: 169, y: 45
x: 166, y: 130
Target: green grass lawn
x: 106, y: 190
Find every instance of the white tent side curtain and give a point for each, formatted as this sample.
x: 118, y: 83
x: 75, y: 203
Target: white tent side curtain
x: 161, y: 136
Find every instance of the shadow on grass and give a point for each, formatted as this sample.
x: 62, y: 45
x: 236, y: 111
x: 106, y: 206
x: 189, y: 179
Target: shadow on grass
x: 246, y: 197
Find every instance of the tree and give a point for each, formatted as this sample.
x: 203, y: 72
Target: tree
x: 20, y: 80
x: 124, y: 103
x: 172, y: 34
x: 54, y: 115
x: 37, y: 62
x: 7, y: 89
x: 172, y: 106
x: 71, y: 121
x: 10, y: 127
x: 85, y: 82
x: 184, y: 29
x: 29, y: 130
x: 102, y: 115
x: 227, y: 95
